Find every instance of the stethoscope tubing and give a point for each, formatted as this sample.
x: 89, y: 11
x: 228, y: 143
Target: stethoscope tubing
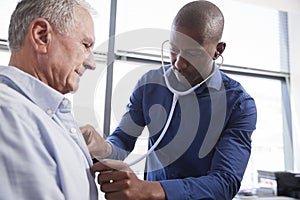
x: 176, y: 95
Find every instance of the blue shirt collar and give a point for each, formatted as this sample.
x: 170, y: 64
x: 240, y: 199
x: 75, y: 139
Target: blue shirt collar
x: 214, y: 82
x: 36, y: 91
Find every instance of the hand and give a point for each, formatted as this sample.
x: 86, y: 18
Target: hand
x: 118, y: 181
x: 97, y: 146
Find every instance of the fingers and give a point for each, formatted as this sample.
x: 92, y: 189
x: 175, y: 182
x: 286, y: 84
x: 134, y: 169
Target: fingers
x: 99, y: 167
x: 117, y: 180
x: 96, y: 144
x: 114, y: 181
x: 87, y: 129
x: 87, y: 132
x: 114, y: 196
x: 110, y: 165
x: 90, y: 134
x: 113, y: 176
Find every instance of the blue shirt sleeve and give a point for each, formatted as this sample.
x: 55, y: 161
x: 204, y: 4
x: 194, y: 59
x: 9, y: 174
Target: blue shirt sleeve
x: 130, y: 127
x: 219, y: 174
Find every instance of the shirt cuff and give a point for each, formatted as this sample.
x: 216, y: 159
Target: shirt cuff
x: 174, y: 189
x: 116, y: 152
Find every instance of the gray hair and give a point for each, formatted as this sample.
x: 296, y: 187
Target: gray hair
x: 59, y: 13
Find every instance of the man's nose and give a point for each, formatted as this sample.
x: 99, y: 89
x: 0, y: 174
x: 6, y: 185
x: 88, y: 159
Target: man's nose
x: 90, y: 62
x: 181, y: 63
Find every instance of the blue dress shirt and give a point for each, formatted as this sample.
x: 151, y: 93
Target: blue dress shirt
x: 206, y: 149
x: 42, y: 152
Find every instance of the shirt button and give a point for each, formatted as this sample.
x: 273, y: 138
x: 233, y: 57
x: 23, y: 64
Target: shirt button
x: 49, y: 112
x: 73, y: 130
x: 65, y: 102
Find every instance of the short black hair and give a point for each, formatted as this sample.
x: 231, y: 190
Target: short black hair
x: 203, y: 17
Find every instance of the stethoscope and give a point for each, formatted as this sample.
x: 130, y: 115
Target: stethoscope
x: 176, y: 95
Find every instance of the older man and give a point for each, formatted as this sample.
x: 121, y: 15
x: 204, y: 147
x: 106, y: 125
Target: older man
x: 43, y: 154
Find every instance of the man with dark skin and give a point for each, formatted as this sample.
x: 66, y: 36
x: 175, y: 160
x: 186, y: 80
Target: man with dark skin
x: 199, y: 157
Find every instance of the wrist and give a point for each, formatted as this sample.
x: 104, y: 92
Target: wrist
x: 108, y: 149
x: 154, y: 190
x: 105, y: 151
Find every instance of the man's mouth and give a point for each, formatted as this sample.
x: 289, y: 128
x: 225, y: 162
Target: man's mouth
x: 79, y: 72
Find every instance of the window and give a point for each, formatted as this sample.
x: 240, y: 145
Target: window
x: 6, y: 9
x: 267, y: 139
x: 252, y: 33
x: 4, y: 55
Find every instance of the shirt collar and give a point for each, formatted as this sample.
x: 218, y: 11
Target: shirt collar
x: 215, y: 81
x: 36, y: 91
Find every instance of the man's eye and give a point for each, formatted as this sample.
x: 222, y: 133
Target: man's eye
x: 87, y: 45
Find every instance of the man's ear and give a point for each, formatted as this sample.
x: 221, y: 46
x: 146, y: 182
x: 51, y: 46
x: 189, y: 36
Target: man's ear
x: 40, y: 34
x: 219, y: 49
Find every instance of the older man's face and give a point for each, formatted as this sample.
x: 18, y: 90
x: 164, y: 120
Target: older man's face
x: 71, y: 54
